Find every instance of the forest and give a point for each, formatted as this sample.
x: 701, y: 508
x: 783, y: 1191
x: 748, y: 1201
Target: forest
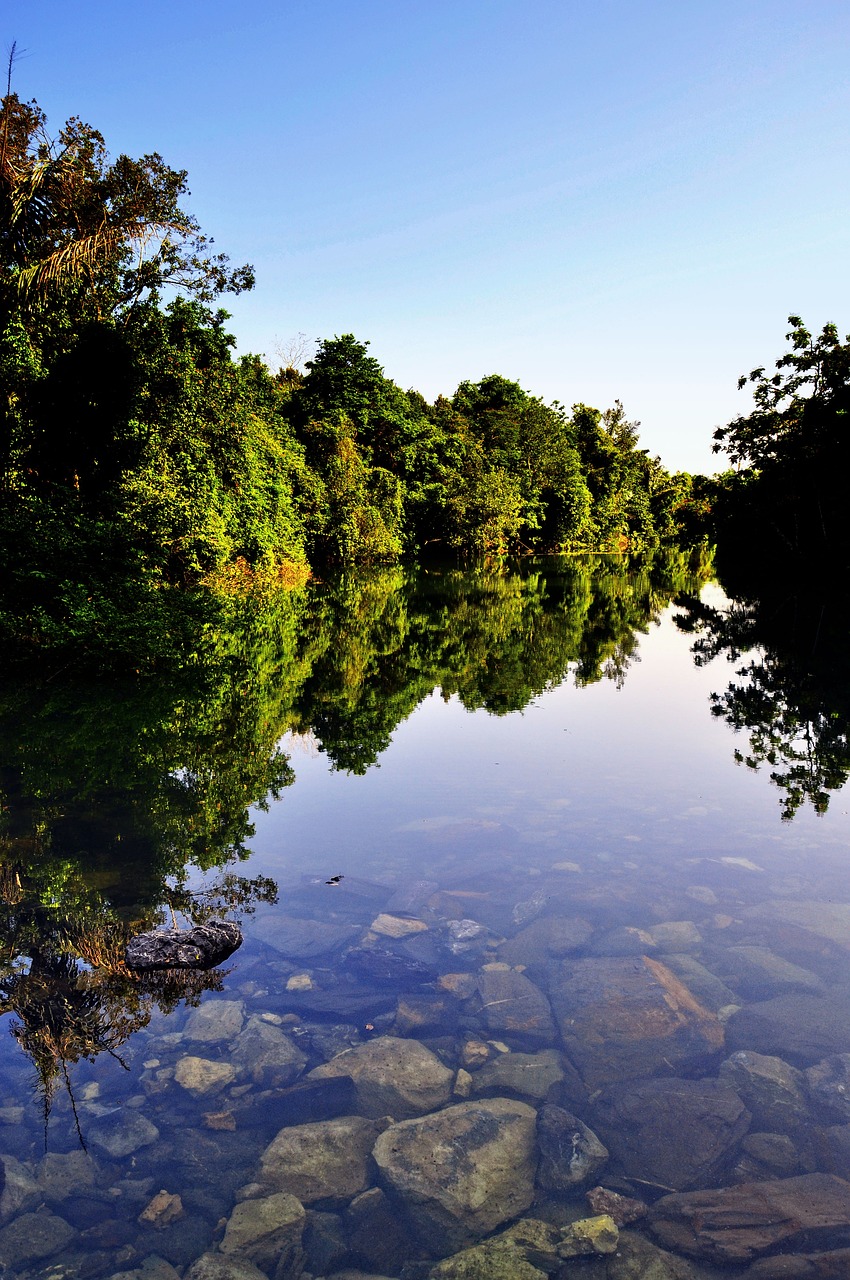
x: 138, y: 453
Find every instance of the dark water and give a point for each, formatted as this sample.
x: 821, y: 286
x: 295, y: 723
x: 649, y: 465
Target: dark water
x: 503, y: 858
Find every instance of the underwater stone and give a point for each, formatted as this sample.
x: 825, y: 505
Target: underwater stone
x: 400, y: 1078
x: 461, y: 1172
x: 571, y: 1155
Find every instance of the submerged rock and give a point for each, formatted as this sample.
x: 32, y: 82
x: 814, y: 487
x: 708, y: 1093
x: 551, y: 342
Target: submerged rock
x: 215, y: 1021
x: 829, y: 1086
x: 772, y: 1090
x: 571, y: 1155
x: 122, y: 1134
x: 623, y: 1209
x: 801, y: 1028
x: 201, y: 947
x: 328, y: 1160
x: 395, y: 1077
x: 834, y: 1265
x: 265, y: 1230
x: 531, y: 1075
x: 513, y: 1006
x: 736, y: 1224
x: 589, y: 1236
x: 675, y: 1133
x: 638, y: 1259
x: 33, y: 1236
x: 217, y: 1266
x: 625, y: 1018
x: 461, y: 1172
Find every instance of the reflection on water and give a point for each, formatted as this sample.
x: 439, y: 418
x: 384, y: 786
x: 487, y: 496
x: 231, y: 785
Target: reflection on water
x: 555, y: 942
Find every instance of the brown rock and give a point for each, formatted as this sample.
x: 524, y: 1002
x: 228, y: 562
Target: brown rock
x: 324, y: 1161
x: 623, y: 1209
x: 623, y: 1018
x: 834, y: 1265
x: 675, y: 1133
x: 800, y: 1028
x: 514, y: 1007
x: 737, y: 1224
x: 162, y: 1211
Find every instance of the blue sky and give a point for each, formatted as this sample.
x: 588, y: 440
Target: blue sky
x: 600, y: 200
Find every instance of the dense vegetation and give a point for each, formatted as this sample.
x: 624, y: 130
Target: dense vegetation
x: 136, y: 452
x: 786, y: 499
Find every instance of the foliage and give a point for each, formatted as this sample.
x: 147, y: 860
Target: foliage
x: 791, y: 453
x: 790, y: 696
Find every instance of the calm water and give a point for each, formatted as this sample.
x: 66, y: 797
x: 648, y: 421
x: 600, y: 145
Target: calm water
x: 514, y: 858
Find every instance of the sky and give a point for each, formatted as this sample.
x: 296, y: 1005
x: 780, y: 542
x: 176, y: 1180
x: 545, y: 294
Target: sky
x: 617, y: 199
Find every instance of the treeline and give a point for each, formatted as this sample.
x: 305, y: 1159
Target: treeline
x: 136, y: 450
x: 785, y: 502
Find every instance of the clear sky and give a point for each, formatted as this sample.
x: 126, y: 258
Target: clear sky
x: 597, y: 198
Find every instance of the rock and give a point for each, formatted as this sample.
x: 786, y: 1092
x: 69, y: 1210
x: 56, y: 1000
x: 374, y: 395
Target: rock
x: 265, y: 1230
x: 736, y: 1224
x: 20, y: 1189
x: 486, y: 1262
x: 624, y: 941
x: 33, y: 1236
x: 464, y: 936
x: 834, y: 1265
x: 514, y: 1007
x: 162, y: 1211
x: 675, y: 1133
x: 771, y: 1089
x: 703, y: 985
x: 773, y: 1155
x: 302, y: 940
x: 676, y: 937
x: 461, y: 1172
x: 759, y: 974
x: 529, y: 1075
x: 829, y: 1087
x: 216, y: 1020
x: 324, y: 1242
x: 377, y: 1237
x: 387, y: 968
x: 536, y: 1241
x: 413, y: 896
x: 152, y: 1268
x: 390, y: 926
x: 324, y: 1161
x: 61, y: 1175
x: 400, y: 1078
x: 301, y: 1103
x: 123, y: 1133
x: 637, y: 1259
x: 623, y: 1209
x: 528, y: 910
x: 267, y: 1056
x: 201, y: 947
x: 218, y: 1266
x: 203, y: 1075
x: 829, y: 920
x: 219, y: 1121
x: 460, y: 985
x: 550, y: 938
x: 571, y: 1155
x: 623, y: 1019
x: 424, y: 1013
x: 589, y: 1236
x: 801, y: 1029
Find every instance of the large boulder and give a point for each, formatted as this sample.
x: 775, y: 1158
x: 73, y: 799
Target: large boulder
x: 772, y: 1090
x: 201, y: 947
x: 266, y: 1055
x: 461, y: 1172
x: 623, y: 1018
x: 528, y: 1075
x: 514, y: 1008
x: 800, y: 1028
x: 739, y: 1224
x: 394, y: 1077
x: 324, y: 1161
x: 33, y: 1236
x: 676, y: 1133
x: 265, y: 1230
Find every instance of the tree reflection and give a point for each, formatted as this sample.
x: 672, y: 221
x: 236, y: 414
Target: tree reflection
x: 119, y: 785
x: 791, y: 695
